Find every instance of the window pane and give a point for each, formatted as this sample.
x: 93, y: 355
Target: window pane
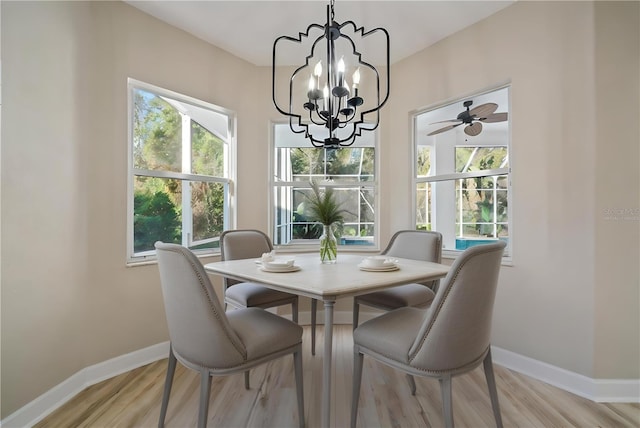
x: 423, y: 206
x: 303, y: 228
x: 423, y: 161
x: 480, y: 158
x: 207, y: 152
x: 346, y: 164
x: 292, y: 215
x: 356, y: 163
x: 359, y: 224
x: 482, y: 207
x: 157, y: 213
x: 305, y: 162
x: 207, y: 204
x: 157, y: 133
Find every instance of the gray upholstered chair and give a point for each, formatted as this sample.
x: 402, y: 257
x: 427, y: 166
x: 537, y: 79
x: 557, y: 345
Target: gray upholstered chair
x: 407, y: 244
x: 248, y: 244
x: 205, y: 339
x: 251, y: 244
x: 449, y: 338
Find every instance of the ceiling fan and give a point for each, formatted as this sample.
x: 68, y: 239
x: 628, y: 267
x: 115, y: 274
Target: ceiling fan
x: 473, y: 118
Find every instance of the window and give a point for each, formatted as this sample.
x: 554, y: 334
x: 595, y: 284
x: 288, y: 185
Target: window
x: 180, y: 167
x: 462, y: 182
x: 351, y: 171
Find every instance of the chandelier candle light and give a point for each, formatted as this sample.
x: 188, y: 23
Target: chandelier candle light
x: 330, y: 100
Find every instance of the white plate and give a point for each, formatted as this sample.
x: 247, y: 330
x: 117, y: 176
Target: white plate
x: 283, y: 269
x: 384, y: 268
x: 278, y: 264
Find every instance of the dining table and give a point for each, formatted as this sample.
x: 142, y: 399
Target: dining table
x: 348, y: 277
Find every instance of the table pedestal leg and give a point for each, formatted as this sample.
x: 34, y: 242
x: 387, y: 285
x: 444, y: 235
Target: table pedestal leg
x: 326, y: 363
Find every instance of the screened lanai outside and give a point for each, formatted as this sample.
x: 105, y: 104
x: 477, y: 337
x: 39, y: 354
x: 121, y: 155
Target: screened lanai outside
x: 350, y: 171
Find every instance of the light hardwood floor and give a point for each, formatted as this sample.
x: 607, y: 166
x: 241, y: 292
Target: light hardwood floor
x: 133, y: 399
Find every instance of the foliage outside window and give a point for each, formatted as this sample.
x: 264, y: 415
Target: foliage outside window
x: 179, y: 170
x: 481, y: 202
x: 462, y: 182
x: 349, y: 171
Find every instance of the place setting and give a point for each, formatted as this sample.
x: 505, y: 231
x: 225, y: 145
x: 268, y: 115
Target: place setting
x: 378, y: 264
x: 270, y: 263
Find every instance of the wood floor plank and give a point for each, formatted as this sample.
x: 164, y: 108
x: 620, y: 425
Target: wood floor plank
x: 132, y: 399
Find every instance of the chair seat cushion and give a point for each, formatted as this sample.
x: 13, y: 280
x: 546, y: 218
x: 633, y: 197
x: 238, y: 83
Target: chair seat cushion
x: 262, y: 332
x: 246, y: 294
x: 391, y: 334
x: 416, y: 295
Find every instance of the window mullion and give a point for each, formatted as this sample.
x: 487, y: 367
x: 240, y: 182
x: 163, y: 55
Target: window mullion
x: 187, y: 217
x: 463, y: 175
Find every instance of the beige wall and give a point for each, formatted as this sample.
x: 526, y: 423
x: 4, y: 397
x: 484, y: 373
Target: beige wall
x: 617, y: 170
x: 68, y: 301
x: 571, y: 298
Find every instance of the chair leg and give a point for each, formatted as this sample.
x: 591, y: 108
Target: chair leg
x: 356, y: 313
x: 314, y: 308
x: 412, y: 384
x: 447, y: 405
x: 493, y: 391
x: 294, y: 311
x: 357, y: 380
x: 297, y: 364
x: 246, y: 380
x: 171, y: 369
x: 205, y: 387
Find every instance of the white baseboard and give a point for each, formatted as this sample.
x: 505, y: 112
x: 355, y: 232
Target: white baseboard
x: 598, y: 390
x: 36, y: 410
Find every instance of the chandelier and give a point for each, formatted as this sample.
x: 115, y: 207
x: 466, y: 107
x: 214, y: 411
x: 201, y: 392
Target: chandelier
x: 336, y: 88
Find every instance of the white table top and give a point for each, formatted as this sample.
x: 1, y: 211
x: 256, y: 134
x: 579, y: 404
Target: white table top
x: 329, y: 281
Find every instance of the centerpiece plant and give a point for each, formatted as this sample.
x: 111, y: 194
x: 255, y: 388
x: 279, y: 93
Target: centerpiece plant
x: 325, y: 208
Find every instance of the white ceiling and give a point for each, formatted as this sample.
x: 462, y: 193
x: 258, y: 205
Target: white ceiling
x: 248, y: 29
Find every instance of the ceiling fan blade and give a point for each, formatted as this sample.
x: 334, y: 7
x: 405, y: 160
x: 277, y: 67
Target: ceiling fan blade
x: 496, y: 117
x: 483, y: 110
x: 446, y: 121
x: 474, y: 129
x: 446, y: 128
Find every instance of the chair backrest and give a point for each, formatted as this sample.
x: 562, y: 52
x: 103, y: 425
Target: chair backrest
x: 198, y: 327
x: 457, y: 327
x: 417, y: 245
x: 243, y: 244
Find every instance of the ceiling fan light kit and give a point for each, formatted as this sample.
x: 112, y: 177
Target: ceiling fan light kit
x: 474, y: 118
x: 332, y: 78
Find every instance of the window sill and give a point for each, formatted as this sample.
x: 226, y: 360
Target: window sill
x: 453, y: 254
x: 152, y: 260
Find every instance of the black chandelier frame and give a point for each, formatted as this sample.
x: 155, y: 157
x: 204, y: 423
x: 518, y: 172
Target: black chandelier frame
x: 337, y: 110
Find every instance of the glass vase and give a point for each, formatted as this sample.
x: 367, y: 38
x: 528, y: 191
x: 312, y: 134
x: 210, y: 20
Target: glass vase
x: 328, y: 245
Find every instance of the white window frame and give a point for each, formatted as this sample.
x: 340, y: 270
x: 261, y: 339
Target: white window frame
x: 186, y: 176
x: 449, y: 251
x: 308, y: 244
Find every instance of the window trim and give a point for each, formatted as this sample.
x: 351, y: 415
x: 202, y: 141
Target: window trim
x: 147, y: 257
